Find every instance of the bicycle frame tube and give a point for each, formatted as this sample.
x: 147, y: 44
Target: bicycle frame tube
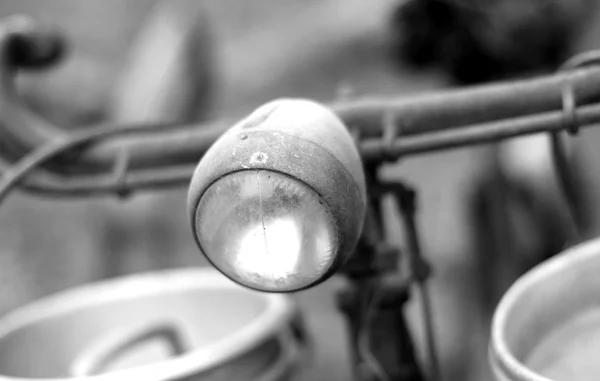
x: 385, y: 128
x: 423, y: 123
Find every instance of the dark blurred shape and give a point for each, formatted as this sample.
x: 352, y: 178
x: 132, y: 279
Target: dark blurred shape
x: 483, y: 40
x: 516, y: 210
x: 34, y: 47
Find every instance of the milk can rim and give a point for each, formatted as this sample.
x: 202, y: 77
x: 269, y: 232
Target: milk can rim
x: 279, y: 308
x: 547, y: 269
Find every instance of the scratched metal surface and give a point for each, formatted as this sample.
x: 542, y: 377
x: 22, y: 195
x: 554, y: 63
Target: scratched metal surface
x: 267, y: 49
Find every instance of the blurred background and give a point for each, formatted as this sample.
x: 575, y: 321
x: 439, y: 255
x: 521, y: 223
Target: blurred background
x: 233, y: 56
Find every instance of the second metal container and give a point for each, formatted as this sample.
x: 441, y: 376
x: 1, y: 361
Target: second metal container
x: 547, y: 326
x: 191, y: 324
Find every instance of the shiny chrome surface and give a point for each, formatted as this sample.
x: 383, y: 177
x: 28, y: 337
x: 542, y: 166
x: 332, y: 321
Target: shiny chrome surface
x: 278, y: 202
x: 547, y: 326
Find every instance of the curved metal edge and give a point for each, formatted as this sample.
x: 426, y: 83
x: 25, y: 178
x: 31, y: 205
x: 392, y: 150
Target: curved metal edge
x: 100, y: 354
x: 22, y: 130
x: 279, y: 311
x: 294, y: 157
x: 500, y: 352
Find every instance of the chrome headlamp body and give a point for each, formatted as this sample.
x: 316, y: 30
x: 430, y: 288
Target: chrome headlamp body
x: 278, y: 202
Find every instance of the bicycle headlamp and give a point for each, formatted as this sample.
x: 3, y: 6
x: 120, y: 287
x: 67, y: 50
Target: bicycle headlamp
x: 278, y: 202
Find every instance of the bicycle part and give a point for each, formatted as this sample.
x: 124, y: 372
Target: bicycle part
x: 420, y: 124
x: 566, y: 181
x: 511, y: 215
x: 29, y: 163
x: 293, y: 185
x: 382, y: 347
x: 524, y: 213
x: 504, y: 102
x: 177, y: 175
x: 420, y: 269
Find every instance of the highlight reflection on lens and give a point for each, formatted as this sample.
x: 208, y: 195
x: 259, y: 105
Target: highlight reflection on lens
x: 257, y: 248
x: 266, y: 230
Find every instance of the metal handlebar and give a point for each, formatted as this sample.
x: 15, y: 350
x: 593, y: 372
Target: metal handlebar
x: 118, y: 159
x: 41, y: 157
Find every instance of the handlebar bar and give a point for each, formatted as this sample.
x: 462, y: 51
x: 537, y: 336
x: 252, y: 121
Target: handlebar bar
x: 41, y: 157
x: 115, y: 158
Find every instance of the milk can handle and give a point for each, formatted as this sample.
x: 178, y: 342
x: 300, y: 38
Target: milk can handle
x: 101, y: 354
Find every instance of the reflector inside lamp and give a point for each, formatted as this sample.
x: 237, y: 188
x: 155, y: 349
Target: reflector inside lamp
x: 266, y: 230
